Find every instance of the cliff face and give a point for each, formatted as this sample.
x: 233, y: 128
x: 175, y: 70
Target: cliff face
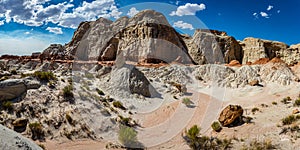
x: 148, y: 37
x: 210, y: 46
x: 255, y: 49
x: 145, y: 37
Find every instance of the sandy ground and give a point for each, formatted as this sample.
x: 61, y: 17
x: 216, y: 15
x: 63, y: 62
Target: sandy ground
x: 163, y: 128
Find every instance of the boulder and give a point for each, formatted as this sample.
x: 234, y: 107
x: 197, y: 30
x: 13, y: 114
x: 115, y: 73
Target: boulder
x: 54, y: 51
x: 295, y: 111
x: 20, y: 124
x: 254, y: 83
x: 231, y: 115
x: 138, y: 83
x: 14, y: 88
x: 13, y: 140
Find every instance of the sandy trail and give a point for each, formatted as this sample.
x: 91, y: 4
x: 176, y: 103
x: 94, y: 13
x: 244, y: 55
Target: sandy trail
x: 177, y: 121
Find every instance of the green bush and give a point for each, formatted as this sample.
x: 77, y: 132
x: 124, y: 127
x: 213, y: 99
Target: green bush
x: 8, y: 106
x: 44, y: 76
x: 36, y: 130
x: 196, y: 141
x: 286, y: 100
x: 118, y: 104
x: 68, y: 91
x: 100, y: 92
x: 193, y: 132
x: 128, y: 137
x: 257, y: 145
x: 187, y: 101
x: 89, y: 75
x: 216, y: 126
x: 274, y: 103
x: 289, y: 120
x: 70, y: 119
x: 297, y: 102
x: 14, y: 72
x: 254, y: 110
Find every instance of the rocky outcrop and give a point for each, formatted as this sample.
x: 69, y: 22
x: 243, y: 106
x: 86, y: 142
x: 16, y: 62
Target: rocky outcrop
x: 275, y: 71
x: 211, y: 46
x: 254, y: 49
x: 138, y: 83
x: 12, y: 140
x: 146, y: 37
x: 54, y: 51
x: 14, y: 88
x: 230, y: 115
x: 127, y: 80
x: 291, y: 55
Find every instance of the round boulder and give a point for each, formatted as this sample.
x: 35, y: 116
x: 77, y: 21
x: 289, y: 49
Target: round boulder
x: 230, y: 115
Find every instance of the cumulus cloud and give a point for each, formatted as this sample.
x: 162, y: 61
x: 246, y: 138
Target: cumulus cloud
x: 188, y: 9
x: 269, y: 7
x: 132, y: 11
x: 35, y: 13
x: 54, y: 30
x: 183, y: 25
x: 264, y: 14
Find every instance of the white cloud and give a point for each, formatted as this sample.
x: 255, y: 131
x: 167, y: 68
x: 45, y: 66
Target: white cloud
x: 132, y: 11
x: 1, y: 22
x: 269, y: 7
x: 183, y: 25
x: 278, y: 11
x: 27, y: 32
x: 188, y: 9
x: 263, y: 14
x: 55, y: 30
x: 34, y: 13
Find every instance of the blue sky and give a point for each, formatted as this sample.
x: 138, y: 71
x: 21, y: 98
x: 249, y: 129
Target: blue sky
x: 28, y: 26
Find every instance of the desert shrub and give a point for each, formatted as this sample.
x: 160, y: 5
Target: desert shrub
x: 289, y: 120
x: 187, y: 101
x: 286, y: 100
x: 254, y: 110
x: 89, y: 75
x: 8, y: 106
x: 14, y: 72
x: 36, y: 130
x: 118, y: 104
x: 297, y: 102
x: 70, y: 119
x: 257, y: 145
x: 197, y: 141
x: 68, y: 91
x: 274, y: 103
x: 100, y: 92
x: 44, y: 76
x: 125, y: 121
x: 70, y: 80
x: 193, y: 132
x: 216, y: 126
x: 128, y: 137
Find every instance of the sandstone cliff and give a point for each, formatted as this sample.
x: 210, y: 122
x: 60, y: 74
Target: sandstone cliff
x: 211, y: 46
x: 145, y: 37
